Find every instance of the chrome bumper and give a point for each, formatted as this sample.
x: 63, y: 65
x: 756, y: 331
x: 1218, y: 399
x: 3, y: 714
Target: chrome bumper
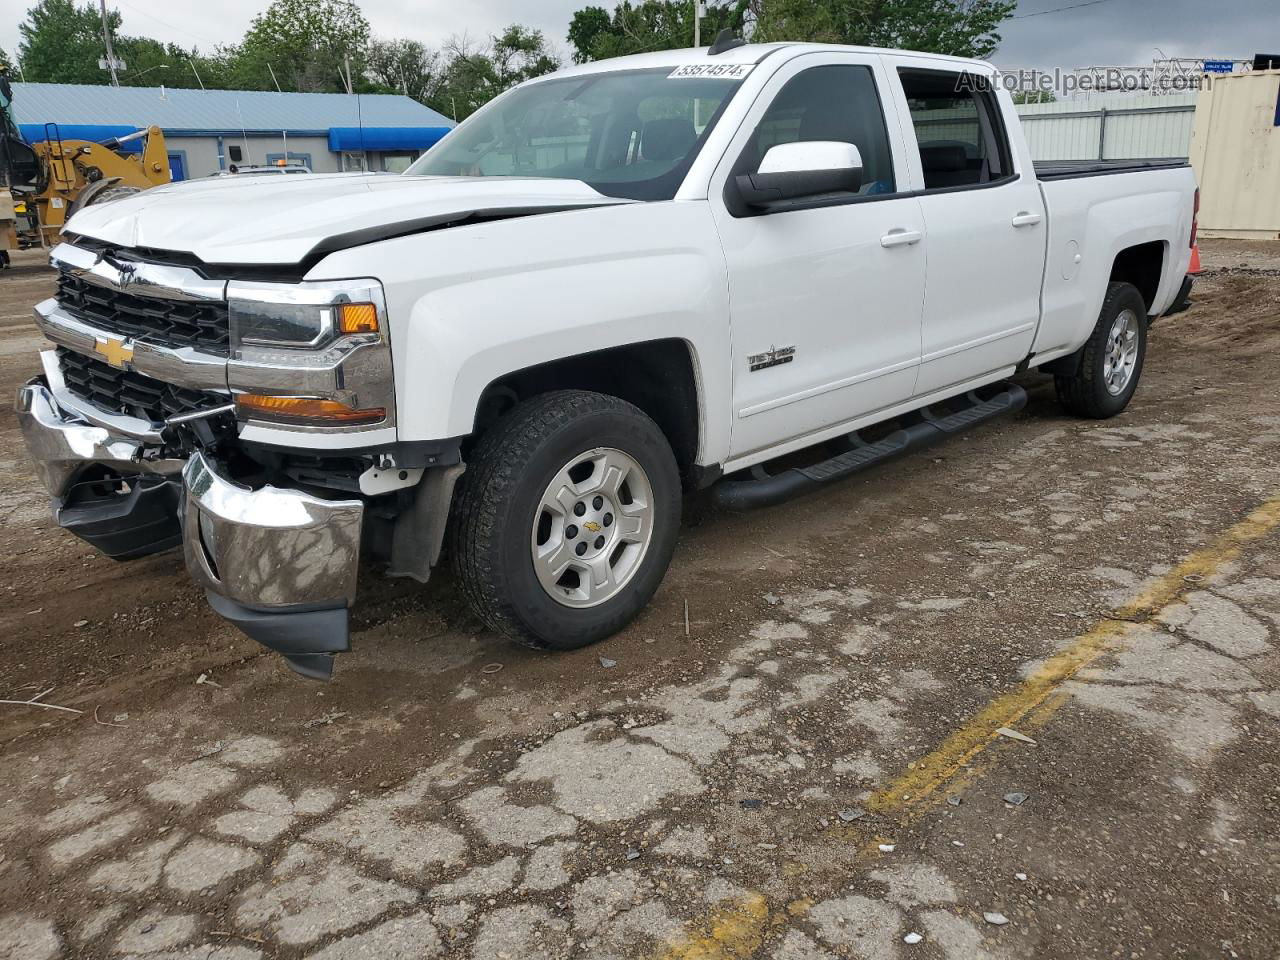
x: 61, y: 446
x: 269, y: 549
x: 279, y: 564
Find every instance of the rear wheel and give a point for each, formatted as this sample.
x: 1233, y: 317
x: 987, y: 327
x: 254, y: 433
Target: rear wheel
x: 566, y: 519
x: 1112, y: 361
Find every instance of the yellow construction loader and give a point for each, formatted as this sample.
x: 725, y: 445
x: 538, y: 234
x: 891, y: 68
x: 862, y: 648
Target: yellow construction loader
x: 77, y: 173
x: 56, y: 177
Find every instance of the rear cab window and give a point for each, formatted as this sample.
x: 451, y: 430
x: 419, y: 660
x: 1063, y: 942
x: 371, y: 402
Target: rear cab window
x: 959, y: 131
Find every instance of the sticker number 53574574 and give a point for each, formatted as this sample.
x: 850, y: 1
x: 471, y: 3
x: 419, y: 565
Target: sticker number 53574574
x: 726, y: 71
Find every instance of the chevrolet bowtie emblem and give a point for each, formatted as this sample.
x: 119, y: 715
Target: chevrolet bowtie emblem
x: 592, y: 526
x: 115, y: 350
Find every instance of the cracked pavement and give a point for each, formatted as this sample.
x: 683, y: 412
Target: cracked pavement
x: 725, y: 794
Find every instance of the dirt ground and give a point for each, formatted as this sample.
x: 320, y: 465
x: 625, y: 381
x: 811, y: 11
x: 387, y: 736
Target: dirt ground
x: 810, y: 769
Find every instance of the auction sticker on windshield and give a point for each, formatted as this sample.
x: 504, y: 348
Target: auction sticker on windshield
x: 731, y: 71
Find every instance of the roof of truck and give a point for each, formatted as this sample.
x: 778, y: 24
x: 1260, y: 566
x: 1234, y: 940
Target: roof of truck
x: 750, y: 53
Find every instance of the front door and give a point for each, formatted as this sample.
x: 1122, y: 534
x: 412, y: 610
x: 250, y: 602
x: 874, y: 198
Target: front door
x: 825, y: 300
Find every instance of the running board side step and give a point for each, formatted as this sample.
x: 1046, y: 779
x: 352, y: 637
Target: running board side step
x: 766, y: 490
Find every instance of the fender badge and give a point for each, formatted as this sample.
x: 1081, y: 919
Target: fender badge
x: 773, y: 357
x: 115, y: 350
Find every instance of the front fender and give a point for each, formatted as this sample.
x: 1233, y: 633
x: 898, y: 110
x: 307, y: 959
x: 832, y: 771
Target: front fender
x: 471, y: 304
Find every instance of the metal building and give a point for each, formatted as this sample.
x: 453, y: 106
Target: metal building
x: 208, y: 130
x: 1236, y: 153
x: 1109, y: 126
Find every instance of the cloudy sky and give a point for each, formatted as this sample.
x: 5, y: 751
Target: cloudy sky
x: 1119, y: 32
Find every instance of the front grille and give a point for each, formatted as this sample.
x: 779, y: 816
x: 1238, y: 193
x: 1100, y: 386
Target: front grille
x: 172, y: 323
x: 123, y: 391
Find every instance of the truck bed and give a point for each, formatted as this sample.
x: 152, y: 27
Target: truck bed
x: 1071, y: 169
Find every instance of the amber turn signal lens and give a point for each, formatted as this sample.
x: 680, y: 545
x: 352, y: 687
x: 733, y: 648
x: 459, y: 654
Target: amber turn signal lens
x: 357, y: 318
x: 304, y: 410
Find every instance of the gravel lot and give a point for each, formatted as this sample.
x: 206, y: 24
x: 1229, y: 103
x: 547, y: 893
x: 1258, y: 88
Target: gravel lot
x: 811, y: 770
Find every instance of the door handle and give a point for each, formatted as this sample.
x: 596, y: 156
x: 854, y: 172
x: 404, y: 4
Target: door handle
x: 900, y: 237
x: 1025, y: 219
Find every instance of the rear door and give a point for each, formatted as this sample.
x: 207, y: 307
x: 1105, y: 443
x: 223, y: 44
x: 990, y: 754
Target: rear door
x: 985, y: 220
x: 825, y: 300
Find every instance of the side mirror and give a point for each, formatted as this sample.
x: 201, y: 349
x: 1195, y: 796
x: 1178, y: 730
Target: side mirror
x: 794, y: 171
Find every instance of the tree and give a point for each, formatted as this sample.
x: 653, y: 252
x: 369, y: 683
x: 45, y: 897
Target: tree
x: 306, y: 44
x: 62, y: 43
x: 150, y: 63
x: 959, y: 27
x: 585, y: 29
x: 404, y: 66
x: 1034, y: 96
x: 965, y: 28
x: 475, y: 75
x: 648, y: 25
x: 520, y: 54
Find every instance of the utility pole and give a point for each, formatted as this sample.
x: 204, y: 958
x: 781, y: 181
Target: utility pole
x: 106, y: 35
x: 697, y: 23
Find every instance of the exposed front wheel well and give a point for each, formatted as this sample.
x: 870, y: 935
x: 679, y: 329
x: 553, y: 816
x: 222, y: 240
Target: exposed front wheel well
x: 1141, y: 266
x: 657, y: 376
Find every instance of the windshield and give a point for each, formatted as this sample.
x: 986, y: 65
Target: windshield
x: 626, y: 134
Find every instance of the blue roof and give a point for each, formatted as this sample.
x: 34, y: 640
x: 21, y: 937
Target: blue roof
x: 202, y: 111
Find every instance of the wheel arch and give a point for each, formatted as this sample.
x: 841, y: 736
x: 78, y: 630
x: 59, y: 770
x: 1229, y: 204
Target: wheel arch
x: 1142, y: 265
x: 660, y: 377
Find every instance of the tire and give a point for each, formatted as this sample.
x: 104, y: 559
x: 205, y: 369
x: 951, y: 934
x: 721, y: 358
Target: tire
x: 114, y: 193
x: 1108, y: 374
x: 507, y: 488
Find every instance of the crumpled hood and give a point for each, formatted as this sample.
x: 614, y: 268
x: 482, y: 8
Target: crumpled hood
x: 284, y: 219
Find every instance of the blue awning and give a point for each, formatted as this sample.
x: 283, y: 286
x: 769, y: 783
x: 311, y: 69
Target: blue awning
x: 384, y: 138
x: 97, y: 133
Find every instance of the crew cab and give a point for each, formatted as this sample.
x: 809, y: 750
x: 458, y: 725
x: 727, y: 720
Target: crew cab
x: 610, y: 287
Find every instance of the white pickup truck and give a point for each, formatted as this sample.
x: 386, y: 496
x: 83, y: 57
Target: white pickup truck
x: 609, y: 287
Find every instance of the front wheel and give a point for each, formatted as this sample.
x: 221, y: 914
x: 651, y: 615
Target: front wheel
x: 1112, y: 360
x: 566, y: 519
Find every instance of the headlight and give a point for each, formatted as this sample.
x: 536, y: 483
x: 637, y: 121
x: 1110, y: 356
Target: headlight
x: 301, y: 314
x: 312, y: 354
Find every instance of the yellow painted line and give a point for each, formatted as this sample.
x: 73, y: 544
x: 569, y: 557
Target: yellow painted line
x: 737, y: 931
x: 1029, y: 705
x: 734, y: 932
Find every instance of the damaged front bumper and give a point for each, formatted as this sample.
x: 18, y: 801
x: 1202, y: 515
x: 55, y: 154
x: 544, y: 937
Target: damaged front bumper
x: 280, y: 564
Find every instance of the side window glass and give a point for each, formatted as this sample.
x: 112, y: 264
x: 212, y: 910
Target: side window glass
x: 958, y: 129
x: 834, y: 102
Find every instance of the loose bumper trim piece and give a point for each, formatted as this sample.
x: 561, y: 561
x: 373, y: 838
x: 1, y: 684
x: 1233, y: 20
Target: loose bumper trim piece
x: 307, y: 638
